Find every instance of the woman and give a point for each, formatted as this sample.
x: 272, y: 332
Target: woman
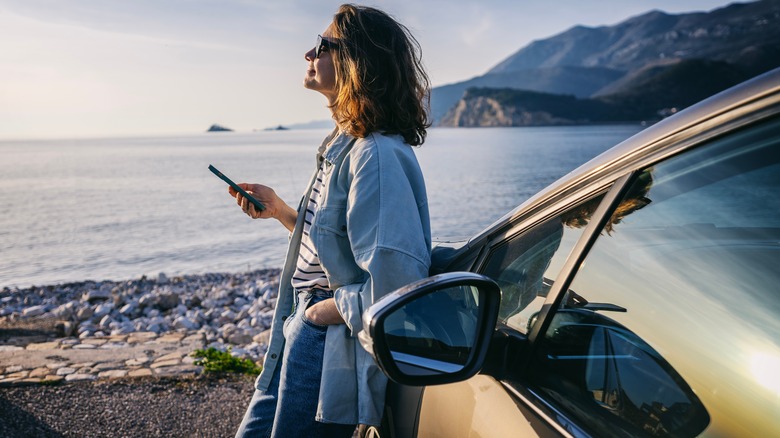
x: 362, y: 230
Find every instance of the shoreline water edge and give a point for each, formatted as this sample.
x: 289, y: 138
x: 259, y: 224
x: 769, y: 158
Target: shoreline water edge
x: 142, y: 327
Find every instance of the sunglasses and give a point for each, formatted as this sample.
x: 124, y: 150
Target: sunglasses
x: 323, y: 45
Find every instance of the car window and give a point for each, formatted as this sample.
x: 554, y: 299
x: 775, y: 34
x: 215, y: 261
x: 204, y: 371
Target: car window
x: 677, y: 324
x: 525, y: 266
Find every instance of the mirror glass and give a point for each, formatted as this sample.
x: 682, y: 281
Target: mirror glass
x: 434, y: 333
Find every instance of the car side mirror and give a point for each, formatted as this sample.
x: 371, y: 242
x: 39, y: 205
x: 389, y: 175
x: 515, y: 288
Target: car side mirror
x: 434, y: 331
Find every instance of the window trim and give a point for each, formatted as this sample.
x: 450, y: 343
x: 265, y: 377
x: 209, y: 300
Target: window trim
x: 577, y: 256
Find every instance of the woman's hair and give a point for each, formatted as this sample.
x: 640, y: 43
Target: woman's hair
x: 381, y: 83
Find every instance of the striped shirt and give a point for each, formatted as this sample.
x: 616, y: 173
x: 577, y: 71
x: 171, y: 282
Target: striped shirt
x: 308, y: 271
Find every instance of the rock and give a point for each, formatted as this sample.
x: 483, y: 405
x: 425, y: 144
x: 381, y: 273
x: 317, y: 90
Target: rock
x: 79, y: 377
x: 162, y: 278
x: 165, y: 363
x: 185, y: 323
x: 141, y: 372
x: 105, y: 321
x: 112, y: 374
x: 84, y: 313
x: 218, y: 128
x: 43, y: 345
x: 262, y: 337
x: 178, y: 370
x: 64, y: 311
x: 103, y: 309
x: 56, y: 365
x: 33, y: 311
x: 65, y: 328
x: 239, y: 338
x: 167, y: 301
x: 138, y: 361
x: 64, y: 371
x: 96, y: 295
x: 40, y: 372
x: 114, y: 345
x: 148, y: 300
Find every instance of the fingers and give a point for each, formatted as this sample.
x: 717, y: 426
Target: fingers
x: 246, y: 206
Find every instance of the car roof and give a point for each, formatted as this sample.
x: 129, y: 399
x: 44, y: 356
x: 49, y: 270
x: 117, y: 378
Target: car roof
x: 757, y: 97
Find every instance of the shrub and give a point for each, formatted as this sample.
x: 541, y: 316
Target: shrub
x: 215, y: 361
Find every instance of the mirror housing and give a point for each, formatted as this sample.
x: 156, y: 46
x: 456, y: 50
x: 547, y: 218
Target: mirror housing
x: 433, y: 331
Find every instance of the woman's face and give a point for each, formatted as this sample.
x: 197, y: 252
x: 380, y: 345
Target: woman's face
x: 321, y: 74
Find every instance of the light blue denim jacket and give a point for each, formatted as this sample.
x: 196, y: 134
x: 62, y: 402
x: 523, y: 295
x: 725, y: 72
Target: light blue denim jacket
x: 372, y: 232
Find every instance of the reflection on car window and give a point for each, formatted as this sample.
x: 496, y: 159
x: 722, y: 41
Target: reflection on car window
x: 526, y: 266
x: 439, y: 327
x: 678, y: 316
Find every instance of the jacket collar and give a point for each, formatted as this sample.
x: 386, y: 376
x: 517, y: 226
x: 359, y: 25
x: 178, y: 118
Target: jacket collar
x: 341, y: 143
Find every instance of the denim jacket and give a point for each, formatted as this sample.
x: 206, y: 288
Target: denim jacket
x: 372, y: 232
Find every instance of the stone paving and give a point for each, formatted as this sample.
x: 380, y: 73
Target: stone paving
x: 72, y: 359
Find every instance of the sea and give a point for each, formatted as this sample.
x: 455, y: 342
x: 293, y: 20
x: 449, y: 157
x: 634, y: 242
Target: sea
x: 73, y: 210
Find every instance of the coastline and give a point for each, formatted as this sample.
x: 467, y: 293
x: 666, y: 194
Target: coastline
x: 95, y: 330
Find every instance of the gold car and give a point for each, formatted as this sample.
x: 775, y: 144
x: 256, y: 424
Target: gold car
x: 637, y: 296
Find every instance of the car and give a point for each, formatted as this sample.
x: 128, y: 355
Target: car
x: 636, y: 296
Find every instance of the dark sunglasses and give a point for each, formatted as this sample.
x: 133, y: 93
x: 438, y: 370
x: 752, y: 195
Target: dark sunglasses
x: 323, y: 45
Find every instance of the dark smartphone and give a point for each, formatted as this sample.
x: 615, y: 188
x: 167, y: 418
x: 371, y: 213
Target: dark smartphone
x: 258, y: 205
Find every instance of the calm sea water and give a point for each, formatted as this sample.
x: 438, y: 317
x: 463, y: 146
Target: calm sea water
x: 113, y: 209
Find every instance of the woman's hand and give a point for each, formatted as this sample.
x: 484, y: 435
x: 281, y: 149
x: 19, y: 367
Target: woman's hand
x: 265, y: 195
x: 275, y: 207
x: 324, y: 313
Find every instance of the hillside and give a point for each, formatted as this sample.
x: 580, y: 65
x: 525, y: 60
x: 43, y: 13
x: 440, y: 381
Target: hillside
x: 637, y: 59
x: 655, y: 93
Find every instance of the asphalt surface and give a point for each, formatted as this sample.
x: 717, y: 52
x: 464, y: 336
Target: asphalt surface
x: 203, y: 406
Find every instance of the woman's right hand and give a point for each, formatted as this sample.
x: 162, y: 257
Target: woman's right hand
x: 264, y: 194
x: 275, y: 207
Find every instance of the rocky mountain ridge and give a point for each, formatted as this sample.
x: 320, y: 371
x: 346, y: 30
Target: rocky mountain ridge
x: 628, y: 65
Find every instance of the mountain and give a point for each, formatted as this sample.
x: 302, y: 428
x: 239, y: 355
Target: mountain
x: 740, y: 40
x: 655, y: 93
x: 509, y: 107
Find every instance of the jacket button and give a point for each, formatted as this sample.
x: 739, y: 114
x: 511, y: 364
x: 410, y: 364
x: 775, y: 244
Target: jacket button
x: 284, y: 318
x: 273, y: 356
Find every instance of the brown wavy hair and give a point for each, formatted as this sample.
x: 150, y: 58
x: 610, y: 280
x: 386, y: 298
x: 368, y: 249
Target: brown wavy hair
x: 382, y: 85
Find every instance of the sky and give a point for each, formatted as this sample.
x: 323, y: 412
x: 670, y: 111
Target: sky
x: 114, y: 68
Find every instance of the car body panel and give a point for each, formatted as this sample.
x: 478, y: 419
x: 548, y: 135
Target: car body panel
x: 485, y: 407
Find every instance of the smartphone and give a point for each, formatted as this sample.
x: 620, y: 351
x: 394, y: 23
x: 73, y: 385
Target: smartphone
x: 258, y: 205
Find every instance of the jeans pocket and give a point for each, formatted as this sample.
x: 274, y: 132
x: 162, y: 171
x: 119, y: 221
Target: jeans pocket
x: 290, y: 317
x: 310, y: 300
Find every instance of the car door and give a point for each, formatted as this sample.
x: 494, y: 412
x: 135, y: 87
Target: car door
x: 648, y: 309
x: 676, y: 326
x: 524, y: 261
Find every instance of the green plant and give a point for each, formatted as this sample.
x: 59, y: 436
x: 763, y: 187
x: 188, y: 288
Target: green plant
x: 215, y: 361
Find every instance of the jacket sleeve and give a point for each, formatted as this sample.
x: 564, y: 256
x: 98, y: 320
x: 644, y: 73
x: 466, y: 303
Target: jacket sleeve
x: 387, y: 225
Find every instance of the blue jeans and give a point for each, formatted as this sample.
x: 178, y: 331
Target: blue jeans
x: 288, y: 407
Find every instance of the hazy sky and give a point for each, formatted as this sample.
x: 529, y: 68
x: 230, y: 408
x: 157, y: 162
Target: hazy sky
x: 91, y: 68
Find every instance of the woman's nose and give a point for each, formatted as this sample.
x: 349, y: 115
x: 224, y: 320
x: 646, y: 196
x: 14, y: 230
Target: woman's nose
x: 309, y: 55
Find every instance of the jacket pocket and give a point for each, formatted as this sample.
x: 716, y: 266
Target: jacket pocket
x: 332, y: 220
x: 330, y: 237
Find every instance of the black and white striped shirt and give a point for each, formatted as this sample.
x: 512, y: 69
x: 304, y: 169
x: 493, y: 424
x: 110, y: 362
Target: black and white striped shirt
x: 308, y: 271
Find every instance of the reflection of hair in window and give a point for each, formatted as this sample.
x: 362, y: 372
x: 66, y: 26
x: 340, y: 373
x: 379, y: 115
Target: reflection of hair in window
x: 634, y: 200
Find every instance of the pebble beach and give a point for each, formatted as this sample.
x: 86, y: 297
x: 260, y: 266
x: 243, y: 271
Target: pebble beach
x: 96, y: 339
x: 141, y: 327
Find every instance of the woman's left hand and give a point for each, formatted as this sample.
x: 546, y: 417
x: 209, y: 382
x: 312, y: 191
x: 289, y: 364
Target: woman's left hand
x: 324, y: 313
